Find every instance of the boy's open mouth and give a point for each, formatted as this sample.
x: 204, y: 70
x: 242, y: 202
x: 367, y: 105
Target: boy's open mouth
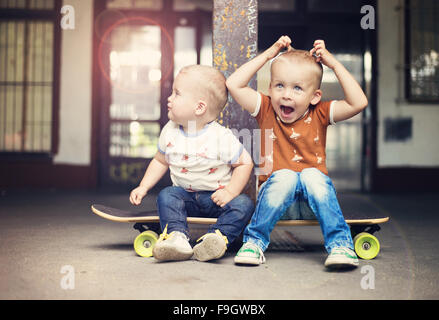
x: 286, y: 110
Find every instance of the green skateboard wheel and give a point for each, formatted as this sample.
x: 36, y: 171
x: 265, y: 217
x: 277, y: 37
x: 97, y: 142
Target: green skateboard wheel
x: 366, y: 245
x: 144, y: 243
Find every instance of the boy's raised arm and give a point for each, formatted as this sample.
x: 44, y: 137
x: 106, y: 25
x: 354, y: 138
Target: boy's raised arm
x: 355, y: 100
x: 237, y: 83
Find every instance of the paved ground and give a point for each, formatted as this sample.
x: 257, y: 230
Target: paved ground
x: 46, y: 236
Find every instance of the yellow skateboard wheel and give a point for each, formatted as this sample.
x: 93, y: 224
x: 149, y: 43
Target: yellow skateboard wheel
x: 144, y: 243
x: 366, y: 246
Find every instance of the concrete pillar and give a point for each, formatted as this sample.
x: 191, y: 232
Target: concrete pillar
x: 235, y: 41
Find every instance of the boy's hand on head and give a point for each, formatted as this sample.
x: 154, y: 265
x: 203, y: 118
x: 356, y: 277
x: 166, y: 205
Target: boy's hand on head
x: 322, y: 54
x: 273, y: 51
x: 137, y: 195
x: 222, y: 197
x: 355, y: 100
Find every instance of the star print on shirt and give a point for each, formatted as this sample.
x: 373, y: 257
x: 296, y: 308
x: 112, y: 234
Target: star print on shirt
x: 319, y: 159
x: 294, y: 135
x: 220, y: 186
x: 212, y: 170
x: 184, y: 170
x: 202, y: 155
x: 296, y: 157
x: 316, y: 139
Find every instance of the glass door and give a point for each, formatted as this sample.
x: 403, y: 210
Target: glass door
x: 131, y: 69
x: 135, y: 94
x: 139, y: 52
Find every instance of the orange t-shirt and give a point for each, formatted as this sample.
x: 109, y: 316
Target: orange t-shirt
x: 295, y: 146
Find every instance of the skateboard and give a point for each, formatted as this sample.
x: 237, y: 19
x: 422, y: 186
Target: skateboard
x: 147, y: 223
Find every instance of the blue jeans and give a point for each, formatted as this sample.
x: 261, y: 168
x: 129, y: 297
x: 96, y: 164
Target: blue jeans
x: 176, y: 204
x: 309, y: 194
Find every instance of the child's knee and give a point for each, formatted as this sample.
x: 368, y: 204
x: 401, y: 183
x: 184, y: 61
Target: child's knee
x: 315, y: 182
x: 285, y: 177
x: 167, y: 193
x: 282, y: 183
x: 243, y: 203
x: 164, y: 193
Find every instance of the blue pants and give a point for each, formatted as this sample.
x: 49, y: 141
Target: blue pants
x: 176, y: 204
x: 309, y: 194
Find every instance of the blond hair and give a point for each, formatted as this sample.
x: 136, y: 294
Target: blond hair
x: 303, y: 56
x: 212, y: 83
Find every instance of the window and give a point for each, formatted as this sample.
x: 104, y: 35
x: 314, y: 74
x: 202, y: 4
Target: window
x: 26, y: 77
x: 135, y: 73
x: 343, y: 6
x: 277, y: 5
x: 135, y: 4
x: 185, y: 48
x: 27, y: 4
x: 422, y: 53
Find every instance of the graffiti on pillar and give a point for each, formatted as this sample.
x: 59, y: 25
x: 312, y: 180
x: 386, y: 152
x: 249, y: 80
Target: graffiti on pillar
x: 235, y: 41
x: 235, y: 33
x: 252, y: 19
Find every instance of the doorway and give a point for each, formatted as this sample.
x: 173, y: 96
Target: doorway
x: 140, y: 47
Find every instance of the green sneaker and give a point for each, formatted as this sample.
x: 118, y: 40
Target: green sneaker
x: 250, y: 254
x: 341, y: 257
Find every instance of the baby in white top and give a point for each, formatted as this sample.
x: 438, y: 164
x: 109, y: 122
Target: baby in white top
x: 204, y: 158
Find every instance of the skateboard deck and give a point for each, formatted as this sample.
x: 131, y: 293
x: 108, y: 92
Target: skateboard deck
x: 147, y: 222
x: 118, y: 215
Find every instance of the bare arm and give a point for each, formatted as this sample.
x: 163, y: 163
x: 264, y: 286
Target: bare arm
x: 237, y: 83
x: 240, y: 175
x: 155, y: 171
x: 355, y: 100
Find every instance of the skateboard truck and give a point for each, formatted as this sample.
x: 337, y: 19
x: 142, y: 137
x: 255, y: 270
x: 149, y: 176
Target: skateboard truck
x: 369, y: 229
x: 142, y: 227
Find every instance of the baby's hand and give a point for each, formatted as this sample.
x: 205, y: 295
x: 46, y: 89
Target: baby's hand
x: 137, y: 195
x: 273, y: 51
x: 322, y: 54
x: 221, y: 197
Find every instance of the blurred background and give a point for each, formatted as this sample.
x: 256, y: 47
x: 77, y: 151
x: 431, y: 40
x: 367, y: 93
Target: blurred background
x: 83, y: 86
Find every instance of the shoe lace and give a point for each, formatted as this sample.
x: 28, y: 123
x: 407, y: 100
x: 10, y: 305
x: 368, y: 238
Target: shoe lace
x: 165, y: 235
x: 218, y: 233
x: 343, y: 251
x: 254, y: 247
